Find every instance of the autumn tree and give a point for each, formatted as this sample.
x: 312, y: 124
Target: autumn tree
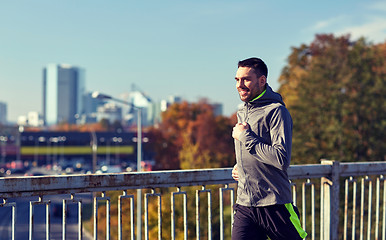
x: 191, y: 136
x: 335, y: 91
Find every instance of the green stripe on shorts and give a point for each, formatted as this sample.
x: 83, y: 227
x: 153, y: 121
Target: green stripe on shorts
x: 295, y: 220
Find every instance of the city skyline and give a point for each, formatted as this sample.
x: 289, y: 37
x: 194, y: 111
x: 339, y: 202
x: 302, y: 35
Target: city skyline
x: 189, y: 49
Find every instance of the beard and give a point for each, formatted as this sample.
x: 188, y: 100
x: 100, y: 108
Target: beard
x: 245, y: 94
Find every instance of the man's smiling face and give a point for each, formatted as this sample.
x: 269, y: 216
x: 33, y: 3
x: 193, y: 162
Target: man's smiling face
x: 248, y: 84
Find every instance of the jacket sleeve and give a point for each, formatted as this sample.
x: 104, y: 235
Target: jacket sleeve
x: 278, y: 152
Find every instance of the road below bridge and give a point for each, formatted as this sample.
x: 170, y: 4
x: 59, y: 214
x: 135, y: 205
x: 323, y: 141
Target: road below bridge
x: 39, y: 221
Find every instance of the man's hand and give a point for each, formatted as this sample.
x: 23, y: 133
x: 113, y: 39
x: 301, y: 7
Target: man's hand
x: 238, y: 129
x: 235, y: 173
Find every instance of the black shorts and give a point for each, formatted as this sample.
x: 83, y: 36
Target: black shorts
x: 276, y: 222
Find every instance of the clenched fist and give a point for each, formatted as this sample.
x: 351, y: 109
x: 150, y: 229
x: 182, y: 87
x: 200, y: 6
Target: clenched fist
x: 238, y: 129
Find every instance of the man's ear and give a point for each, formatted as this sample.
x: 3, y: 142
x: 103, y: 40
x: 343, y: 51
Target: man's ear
x: 263, y: 80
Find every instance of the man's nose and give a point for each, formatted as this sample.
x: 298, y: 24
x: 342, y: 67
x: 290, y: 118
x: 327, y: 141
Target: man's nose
x: 240, y: 83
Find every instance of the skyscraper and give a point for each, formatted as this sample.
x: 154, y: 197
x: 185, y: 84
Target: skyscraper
x: 63, y: 89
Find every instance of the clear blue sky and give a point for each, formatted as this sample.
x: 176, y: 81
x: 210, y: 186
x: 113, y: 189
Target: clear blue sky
x: 185, y: 48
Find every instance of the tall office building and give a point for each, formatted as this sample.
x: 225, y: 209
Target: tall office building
x: 63, y: 90
x: 3, y: 113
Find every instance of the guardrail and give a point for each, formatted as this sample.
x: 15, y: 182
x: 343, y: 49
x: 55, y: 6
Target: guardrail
x: 337, y: 219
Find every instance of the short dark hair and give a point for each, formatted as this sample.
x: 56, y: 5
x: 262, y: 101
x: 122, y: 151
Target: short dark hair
x: 256, y: 64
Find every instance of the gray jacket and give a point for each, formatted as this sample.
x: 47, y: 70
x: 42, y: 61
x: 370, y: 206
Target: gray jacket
x: 263, y: 152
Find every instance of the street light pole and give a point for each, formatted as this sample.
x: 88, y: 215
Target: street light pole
x: 139, y: 154
x: 139, y: 169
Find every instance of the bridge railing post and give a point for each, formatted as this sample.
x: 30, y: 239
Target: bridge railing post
x: 329, y: 217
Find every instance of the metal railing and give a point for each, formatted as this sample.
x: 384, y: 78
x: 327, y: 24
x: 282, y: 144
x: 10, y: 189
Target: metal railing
x: 324, y: 204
